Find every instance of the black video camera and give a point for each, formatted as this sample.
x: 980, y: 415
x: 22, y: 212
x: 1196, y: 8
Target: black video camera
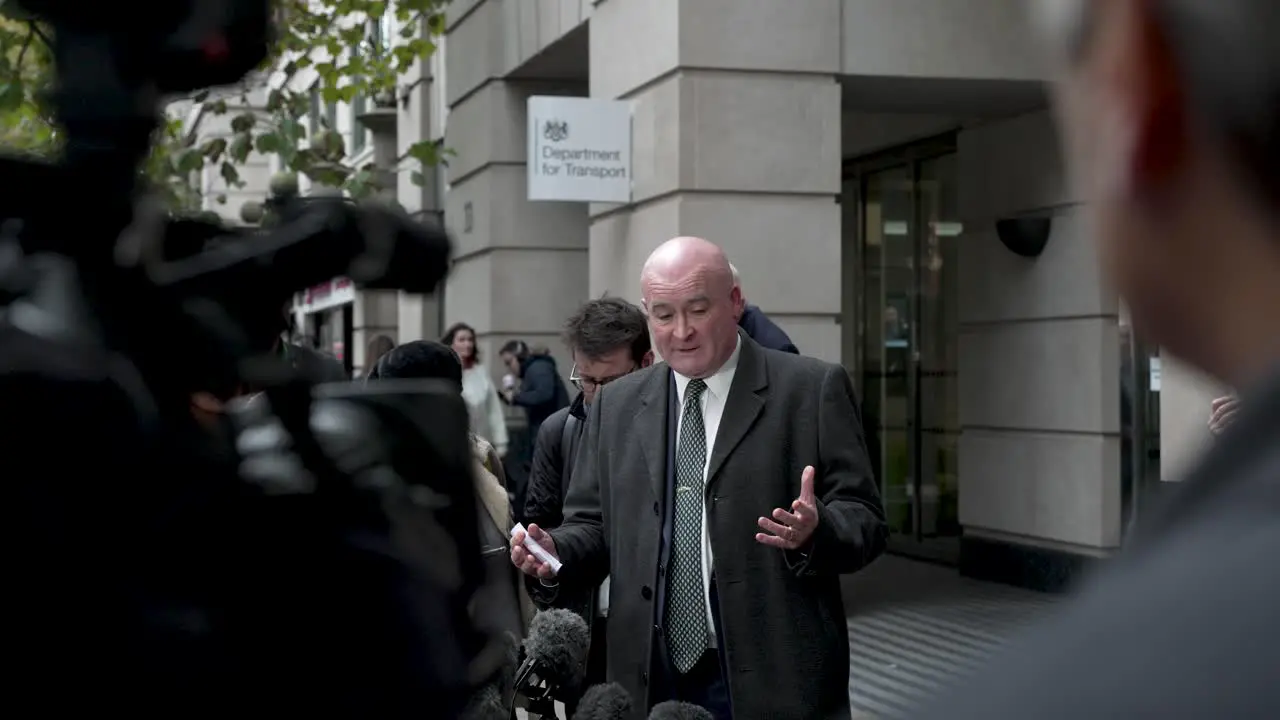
x: 310, y: 551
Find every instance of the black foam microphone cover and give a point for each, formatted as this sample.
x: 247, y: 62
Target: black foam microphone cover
x: 675, y: 710
x: 558, y: 642
x: 605, y: 702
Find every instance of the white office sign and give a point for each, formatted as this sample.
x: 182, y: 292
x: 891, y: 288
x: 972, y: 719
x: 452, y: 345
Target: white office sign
x: 579, y: 149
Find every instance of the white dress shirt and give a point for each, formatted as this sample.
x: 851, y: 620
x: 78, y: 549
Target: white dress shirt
x: 712, y: 401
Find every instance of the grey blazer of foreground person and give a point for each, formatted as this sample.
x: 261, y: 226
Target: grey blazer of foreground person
x: 780, y: 617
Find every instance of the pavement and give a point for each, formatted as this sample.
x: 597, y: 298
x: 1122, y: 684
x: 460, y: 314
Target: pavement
x: 916, y: 627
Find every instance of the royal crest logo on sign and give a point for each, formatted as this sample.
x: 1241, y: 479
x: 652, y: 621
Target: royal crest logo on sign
x: 579, y: 150
x: 556, y: 131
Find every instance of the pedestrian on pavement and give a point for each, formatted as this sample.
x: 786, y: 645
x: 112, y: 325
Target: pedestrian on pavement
x: 533, y: 383
x: 488, y: 420
x: 723, y: 491
x: 608, y: 339
x: 1171, y: 115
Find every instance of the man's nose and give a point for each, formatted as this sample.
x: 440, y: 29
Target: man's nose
x: 683, y: 328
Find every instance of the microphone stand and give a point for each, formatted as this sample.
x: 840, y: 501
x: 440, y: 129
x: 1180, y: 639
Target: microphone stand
x: 539, y: 703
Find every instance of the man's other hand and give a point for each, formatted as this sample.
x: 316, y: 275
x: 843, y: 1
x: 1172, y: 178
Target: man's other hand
x: 1222, y: 413
x: 525, y: 560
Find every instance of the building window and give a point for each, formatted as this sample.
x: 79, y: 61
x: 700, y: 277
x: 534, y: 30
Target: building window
x: 313, y: 115
x: 331, y: 116
x: 357, y: 129
x: 381, y: 32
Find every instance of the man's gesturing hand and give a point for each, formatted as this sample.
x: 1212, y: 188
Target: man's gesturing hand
x: 792, y: 530
x: 525, y: 560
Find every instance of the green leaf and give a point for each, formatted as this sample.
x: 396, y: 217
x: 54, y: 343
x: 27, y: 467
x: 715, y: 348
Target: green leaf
x: 240, y: 147
x: 435, y: 24
x: 418, y: 178
x: 189, y: 161
x: 268, y: 143
x: 230, y: 175
x: 214, y: 148
x: 327, y: 72
x: 243, y: 122
x: 331, y: 174
x: 11, y: 96
x: 218, y: 107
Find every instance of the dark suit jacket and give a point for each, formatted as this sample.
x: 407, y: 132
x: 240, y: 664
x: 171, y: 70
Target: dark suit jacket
x: 784, y: 639
x: 764, y: 331
x: 1185, y: 623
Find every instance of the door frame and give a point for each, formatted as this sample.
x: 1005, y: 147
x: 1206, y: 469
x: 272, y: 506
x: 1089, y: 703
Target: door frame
x: 855, y: 171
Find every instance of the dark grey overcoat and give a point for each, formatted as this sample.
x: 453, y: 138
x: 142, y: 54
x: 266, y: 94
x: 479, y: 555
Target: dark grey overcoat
x: 784, y: 638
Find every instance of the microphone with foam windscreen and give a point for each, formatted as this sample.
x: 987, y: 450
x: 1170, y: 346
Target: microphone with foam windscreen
x: 674, y: 710
x: 605, y: 702
x: 555, y: 659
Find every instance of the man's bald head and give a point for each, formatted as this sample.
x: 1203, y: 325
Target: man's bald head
x: 683, y: 256
x: 693, y: 305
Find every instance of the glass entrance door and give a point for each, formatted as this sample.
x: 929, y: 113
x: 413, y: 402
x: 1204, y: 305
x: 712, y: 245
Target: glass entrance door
x: 908, y: 344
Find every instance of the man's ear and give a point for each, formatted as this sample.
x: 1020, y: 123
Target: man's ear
x: 647, y: 360
x: 739, y: 303
x: 1145, y: 85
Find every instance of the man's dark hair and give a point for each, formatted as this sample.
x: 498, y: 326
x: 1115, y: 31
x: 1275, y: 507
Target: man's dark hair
x: 603, y: 326
x: 419, y: 360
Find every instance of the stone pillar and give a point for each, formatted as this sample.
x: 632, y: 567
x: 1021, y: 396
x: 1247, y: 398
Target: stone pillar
x: 418, y: 120
x: 1039, y: 374
x: 736, y: 139
x: 520, y: 267
x: 376, y: 311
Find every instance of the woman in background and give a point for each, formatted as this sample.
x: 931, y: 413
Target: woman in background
x: 488, y: 419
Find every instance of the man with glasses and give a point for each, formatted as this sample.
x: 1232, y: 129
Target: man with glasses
x: 609, y: 338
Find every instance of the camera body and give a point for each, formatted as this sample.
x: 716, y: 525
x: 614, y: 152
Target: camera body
x: 314, y: 550
x: 182, y: 45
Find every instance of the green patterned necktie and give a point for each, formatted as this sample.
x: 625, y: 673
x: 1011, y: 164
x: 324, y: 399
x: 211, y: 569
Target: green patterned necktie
x: 686, y: 609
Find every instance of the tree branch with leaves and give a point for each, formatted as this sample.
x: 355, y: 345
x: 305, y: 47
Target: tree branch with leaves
x: 336, y: 42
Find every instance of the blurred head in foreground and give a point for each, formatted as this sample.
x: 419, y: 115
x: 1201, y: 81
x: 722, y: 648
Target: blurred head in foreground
x: 1171, y: 115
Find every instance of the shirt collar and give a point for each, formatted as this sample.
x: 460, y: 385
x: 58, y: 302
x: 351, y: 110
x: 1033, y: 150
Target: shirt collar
x: 719, y: 383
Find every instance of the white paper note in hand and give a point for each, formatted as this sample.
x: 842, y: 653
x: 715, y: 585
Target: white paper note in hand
x: 538, y: 551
